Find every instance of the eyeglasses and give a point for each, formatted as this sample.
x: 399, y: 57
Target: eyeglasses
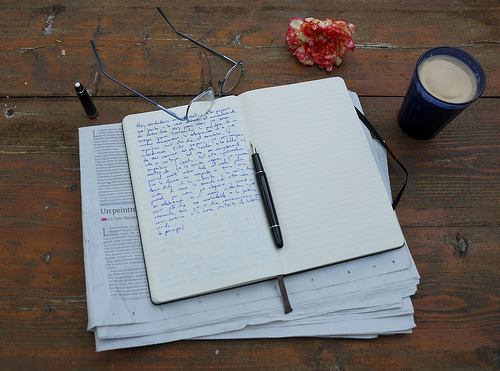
x: 200, y: 105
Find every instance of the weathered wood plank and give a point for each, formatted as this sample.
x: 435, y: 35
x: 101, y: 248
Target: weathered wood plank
x: 453, y: 177
x: 456, y: 313
x: 449, y: 213
x: 48, y: 48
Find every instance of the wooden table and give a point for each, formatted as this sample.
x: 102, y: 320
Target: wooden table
x: 449, y: 214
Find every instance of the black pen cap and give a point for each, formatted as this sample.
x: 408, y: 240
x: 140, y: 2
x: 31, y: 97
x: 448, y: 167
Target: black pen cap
x: 86, y: 102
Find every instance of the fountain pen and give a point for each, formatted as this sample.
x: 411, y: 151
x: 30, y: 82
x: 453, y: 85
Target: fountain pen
x: 267, y: 199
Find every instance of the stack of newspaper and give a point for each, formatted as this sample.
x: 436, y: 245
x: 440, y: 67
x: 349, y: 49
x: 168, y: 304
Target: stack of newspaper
x: 362, y: 298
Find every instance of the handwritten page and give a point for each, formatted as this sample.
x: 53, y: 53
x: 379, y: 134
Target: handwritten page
x: 194, y: 168
x: 201, y: 219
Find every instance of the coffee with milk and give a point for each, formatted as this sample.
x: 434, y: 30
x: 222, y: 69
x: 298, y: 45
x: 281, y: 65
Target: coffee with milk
x: 448, y: 79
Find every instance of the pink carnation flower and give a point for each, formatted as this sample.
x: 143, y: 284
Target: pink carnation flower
x: 322, y: 42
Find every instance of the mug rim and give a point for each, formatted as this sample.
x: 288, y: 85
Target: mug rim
x: 440, y: 50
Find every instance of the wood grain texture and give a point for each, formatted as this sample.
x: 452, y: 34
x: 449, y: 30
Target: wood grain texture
x: 449, y: 213
x: 46, y: 47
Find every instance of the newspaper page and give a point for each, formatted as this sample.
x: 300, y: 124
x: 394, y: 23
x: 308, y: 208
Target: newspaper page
x: 119, y: 308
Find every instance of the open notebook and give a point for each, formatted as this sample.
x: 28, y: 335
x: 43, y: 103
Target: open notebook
x: 202, y: 223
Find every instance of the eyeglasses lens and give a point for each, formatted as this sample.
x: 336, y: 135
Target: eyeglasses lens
x: 232, y: 78
x: 200, y: 105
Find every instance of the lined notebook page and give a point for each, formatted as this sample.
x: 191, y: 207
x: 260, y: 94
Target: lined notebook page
x: 330, y: 198
x: 203, y: 227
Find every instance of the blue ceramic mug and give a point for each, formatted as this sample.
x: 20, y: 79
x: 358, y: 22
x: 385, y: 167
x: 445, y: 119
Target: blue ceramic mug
x: 445, y: 81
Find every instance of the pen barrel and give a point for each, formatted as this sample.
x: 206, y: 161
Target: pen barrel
x: 265, y: 191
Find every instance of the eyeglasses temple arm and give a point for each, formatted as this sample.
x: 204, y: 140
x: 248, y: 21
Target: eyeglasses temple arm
x: 130, y: 89
x: 193, y: 40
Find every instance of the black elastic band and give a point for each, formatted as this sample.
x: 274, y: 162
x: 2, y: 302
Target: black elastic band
x: 377, y: 136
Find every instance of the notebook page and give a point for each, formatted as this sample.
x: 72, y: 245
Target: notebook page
x: 202, y: 224
x: 330, y: 198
